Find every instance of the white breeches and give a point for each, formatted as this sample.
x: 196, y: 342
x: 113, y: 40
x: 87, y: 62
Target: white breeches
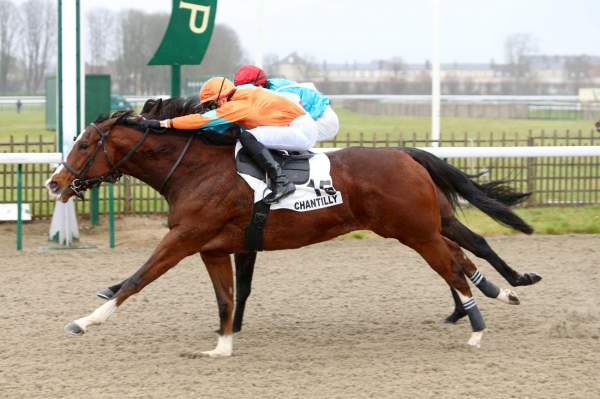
x: 300, y: 135
x: 328, y: 124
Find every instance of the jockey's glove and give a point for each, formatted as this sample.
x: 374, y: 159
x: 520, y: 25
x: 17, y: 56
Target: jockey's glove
x: 152, y: 124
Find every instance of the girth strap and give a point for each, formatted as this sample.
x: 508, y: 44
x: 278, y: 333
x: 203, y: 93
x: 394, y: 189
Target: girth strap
x: 255, y: 231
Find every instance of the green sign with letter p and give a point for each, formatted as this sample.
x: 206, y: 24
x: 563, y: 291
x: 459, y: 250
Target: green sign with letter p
x: 188, y: 34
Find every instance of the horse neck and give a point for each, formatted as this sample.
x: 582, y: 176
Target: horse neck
x: 155, y: 159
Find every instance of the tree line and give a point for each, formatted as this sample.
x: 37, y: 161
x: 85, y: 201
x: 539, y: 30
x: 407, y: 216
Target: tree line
x: 119, y: 43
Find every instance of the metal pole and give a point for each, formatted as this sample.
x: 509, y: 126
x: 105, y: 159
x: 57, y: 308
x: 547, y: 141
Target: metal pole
x: 175, y: 80
x: 111, y: 216
x: 19, y: 207
x: 59, y: 82
x: 258, y: 56
x: 95, y: 207
x: 78, y: 65
x: 435, y: 77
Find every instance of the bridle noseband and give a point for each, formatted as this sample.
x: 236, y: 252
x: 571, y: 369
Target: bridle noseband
x: 81, y: 183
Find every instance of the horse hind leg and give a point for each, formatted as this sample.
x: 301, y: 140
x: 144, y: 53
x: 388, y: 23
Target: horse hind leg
x: 459, y: 310
x: 442, y: 259
x: 487, y: 287
x: 453, y: 229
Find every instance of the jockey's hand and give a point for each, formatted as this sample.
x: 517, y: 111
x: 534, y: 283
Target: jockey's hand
x: 152, y: 124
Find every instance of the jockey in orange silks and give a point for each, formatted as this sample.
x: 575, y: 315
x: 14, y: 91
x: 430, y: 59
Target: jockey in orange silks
x: 271, y: 121
x: 314, y: 103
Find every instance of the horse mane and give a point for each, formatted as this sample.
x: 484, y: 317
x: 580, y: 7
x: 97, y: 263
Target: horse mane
x: 157, y: 108
x: 171, y: 107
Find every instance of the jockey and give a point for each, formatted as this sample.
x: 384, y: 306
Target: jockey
x: 315, y: 103
x: 272, y: 122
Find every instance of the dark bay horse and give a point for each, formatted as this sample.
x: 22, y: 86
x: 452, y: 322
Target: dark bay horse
x: 385, y: 191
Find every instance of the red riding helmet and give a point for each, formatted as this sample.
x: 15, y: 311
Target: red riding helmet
x: 250, y: 74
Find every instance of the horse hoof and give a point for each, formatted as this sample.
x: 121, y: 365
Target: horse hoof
x: 74, y: 330
x: 215, y: 353
x: 475, y: 340
x: 508, y: 296
x: 527, y: 279
x: 532, y: 278
x: 454, y: 317
x: 106, y: 294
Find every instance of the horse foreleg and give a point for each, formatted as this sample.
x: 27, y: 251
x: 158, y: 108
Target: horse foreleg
x: 175, y: 246
x: 221, y: 275
x: 244, y: 269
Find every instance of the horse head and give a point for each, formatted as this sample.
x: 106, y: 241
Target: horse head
x: 96, y: 157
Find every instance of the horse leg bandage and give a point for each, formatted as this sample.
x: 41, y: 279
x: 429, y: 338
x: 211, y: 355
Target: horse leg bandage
x: 488, y: 288
x: 475, y: 317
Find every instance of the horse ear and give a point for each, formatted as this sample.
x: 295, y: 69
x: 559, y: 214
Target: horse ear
x: 148, y: 106
x: 156, y: 107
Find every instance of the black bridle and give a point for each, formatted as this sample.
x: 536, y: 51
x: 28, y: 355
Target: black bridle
x: 81, y: 183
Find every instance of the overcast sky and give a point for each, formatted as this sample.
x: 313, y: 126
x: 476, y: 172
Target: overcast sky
x: 365, y: 30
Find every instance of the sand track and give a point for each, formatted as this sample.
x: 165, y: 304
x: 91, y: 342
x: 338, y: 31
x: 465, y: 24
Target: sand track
x: 354, y: 318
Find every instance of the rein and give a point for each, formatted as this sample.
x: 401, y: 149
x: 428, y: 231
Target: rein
x: 81, y: 183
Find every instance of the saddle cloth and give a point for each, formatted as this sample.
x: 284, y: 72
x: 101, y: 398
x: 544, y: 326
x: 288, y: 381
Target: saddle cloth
x: 309, y: 172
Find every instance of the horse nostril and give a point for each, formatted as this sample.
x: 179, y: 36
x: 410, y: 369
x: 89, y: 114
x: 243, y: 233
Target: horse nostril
x: 53, y: 186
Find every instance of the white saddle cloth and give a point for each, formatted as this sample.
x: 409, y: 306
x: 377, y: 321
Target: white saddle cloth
x: 317, y: 193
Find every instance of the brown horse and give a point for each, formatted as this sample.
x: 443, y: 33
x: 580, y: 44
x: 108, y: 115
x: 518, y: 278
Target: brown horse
x: 385, y: 190
x: 452, y: 228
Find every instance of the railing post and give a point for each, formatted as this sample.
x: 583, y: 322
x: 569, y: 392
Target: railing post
x: 95, y: 207
x: 19, y: 207
x: 531, y: 175
x: 111, y: 216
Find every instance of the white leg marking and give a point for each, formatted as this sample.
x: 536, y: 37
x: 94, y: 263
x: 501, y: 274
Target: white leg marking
x: 508, y: 296
x: 99, y: 315
x: 475, y: 339
x: 224, y: 347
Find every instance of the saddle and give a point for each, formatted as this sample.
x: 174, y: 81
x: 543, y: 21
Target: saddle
x: 295, y: 164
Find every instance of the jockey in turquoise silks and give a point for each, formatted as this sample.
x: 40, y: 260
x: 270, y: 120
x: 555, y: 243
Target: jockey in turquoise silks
x: 314, y: 103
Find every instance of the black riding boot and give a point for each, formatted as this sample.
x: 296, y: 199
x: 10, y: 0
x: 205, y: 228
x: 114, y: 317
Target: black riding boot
x: 280, y: 185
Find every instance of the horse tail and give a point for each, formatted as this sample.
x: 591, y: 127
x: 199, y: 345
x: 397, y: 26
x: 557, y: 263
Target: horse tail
x: 494, y: 198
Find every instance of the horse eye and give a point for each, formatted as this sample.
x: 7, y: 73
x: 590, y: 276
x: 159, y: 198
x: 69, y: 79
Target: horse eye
x: 83, y: 146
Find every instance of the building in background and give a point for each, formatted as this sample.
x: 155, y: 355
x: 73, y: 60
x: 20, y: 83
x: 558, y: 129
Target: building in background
x: 532, y: 75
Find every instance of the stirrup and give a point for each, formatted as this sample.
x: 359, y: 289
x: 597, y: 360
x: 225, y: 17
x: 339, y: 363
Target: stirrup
x: 275, y: 195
